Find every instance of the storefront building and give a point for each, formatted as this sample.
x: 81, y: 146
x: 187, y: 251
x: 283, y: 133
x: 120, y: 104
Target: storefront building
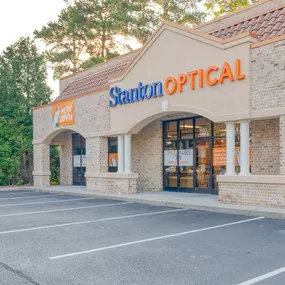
x: 195, y: 110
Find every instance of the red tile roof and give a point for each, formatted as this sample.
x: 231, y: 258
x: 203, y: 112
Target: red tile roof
x: 92, y: 82
x: 266, y: 26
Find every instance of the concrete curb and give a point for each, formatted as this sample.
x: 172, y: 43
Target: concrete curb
x: 272, y: 213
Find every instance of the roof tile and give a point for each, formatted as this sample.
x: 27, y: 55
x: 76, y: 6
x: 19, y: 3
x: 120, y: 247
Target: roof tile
x: 265, y: 26
x: 92, y: 82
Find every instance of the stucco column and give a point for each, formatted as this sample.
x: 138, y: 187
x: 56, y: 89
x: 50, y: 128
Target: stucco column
x: 128, y: 153
x: 66, y: 160
x: 41, y: 171
x: 231, y: 138
x: 121, y: 157
x: 244, y: 147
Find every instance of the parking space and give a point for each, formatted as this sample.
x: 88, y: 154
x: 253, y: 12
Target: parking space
x: 48, y: 239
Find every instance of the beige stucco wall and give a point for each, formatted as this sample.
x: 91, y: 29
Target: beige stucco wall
x: 174, y: 52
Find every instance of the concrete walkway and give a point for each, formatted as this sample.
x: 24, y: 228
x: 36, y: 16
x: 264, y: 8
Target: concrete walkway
x: 203, y: 202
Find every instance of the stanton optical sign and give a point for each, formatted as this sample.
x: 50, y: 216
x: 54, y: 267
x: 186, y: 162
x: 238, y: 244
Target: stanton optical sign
x: 196, y: 78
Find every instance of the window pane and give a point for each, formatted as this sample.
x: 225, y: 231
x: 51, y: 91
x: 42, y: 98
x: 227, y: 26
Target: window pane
x: 171, y: 176
x: 171, y: 130
x: 219, y: 159
x: 186, y: 129
x: 202, y: 128
x: 113, y: 154
x: 220, y: 130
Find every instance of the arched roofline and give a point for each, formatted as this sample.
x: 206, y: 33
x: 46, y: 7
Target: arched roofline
x: 54, y: 132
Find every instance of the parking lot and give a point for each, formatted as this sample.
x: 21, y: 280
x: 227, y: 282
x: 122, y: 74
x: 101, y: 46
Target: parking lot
x: 49, y: 238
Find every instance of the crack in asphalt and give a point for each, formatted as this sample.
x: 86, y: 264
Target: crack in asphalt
x: 18, y: 273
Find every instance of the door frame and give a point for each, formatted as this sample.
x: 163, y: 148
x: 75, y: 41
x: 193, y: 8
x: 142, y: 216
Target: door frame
x: 210, y: 189
x: 82, y: 172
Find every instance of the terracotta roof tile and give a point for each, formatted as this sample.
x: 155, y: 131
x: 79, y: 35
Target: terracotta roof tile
x: 265, y: 26
x: 92, y: 82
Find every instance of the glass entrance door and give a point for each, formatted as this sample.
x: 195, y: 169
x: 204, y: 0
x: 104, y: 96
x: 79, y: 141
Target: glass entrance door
x: 79, y: 159
x: 203, y: 166
x: 187, y: 155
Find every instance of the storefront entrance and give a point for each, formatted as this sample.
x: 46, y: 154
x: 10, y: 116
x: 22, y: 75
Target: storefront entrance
x: 79, y: 159
x: 188, y: 154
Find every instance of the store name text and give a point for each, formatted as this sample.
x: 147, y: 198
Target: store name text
x: 196, y: 78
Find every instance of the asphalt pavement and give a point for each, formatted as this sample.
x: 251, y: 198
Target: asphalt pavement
x: 57, y: 239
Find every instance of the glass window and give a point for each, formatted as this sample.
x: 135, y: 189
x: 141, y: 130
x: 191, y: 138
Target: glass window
x: 113, y: 154
x: 186, y: 129
x: 171, y: 130
x: 219, y: 159
x: 220, y: 130
x: 203, y: 128
x: 79, y: 159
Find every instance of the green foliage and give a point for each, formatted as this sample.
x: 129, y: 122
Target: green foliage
x: 55, y: 164
x: 182, y: 12
x: 85, y: 32
x: 220, y: 7
x: 22, y: 87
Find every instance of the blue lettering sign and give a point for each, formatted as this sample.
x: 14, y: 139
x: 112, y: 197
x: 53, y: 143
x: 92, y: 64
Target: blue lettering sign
x: 148, y: 91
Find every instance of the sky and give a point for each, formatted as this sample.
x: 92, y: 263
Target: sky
x: 21, y: 17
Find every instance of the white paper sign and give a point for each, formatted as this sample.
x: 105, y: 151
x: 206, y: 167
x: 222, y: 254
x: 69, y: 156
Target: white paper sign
x: 185, y: 157
x: 76, y: 161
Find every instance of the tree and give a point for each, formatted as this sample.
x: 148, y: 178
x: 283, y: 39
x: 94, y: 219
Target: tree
x: 22, y: 86
x: 182, y: 12
x: 65, y: 40
x: 220, y: 7
x: 86, y: 31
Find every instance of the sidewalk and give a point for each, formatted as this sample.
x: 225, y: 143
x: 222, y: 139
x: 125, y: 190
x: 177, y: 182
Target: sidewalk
x: 202, y: 202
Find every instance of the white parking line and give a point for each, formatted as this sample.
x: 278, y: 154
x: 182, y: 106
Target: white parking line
x: 64, y: 210
x: 152, y: 239
x: 89, y: 222
x: 26, y: 197
x: 16, y: 193
x: 45, y: 202
x: 264, y: 277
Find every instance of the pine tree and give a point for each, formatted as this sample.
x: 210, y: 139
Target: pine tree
x: 221, y: 7
x: 22, y: 86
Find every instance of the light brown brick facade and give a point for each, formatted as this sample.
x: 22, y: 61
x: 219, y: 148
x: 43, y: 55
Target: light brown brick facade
x: 265, y: 144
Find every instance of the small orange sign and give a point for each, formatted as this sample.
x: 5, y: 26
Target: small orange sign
x: 220, y: 156
x: 63, y: 113
x: 113, y: 160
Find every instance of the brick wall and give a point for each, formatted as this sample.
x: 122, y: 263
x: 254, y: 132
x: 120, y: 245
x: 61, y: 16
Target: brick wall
x: 147, y: 154
x: 109, y: 186
x: 147, y: 157
x: 272, y: 195
x: 267, y: 76
x: 265, y: 147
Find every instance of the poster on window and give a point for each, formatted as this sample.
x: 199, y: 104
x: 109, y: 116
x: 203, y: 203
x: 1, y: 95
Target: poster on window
x: 220, y: 156
x: 113, y: 160
x: 184, y: 156
x: 77, y: 161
